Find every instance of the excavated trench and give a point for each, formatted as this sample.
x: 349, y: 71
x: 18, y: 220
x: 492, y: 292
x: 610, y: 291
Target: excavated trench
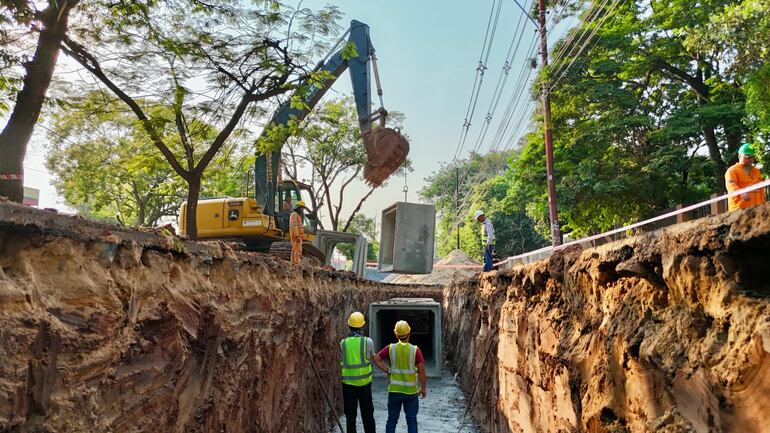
x: 104, y: 329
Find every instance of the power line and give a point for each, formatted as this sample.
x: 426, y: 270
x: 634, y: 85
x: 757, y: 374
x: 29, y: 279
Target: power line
x: 480, y: 69
x: 587, y: 41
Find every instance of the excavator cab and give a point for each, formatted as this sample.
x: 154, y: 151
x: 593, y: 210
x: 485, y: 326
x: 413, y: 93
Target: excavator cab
x: 288, y: 194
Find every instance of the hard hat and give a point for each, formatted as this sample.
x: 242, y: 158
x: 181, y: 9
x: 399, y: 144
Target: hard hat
x: 301, y: 203
x: 746, y: 149
x: 477, y: 214
x: 402, y: 328
x: 356, y: 320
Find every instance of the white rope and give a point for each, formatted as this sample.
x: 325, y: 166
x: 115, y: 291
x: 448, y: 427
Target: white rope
x: 640, y: 223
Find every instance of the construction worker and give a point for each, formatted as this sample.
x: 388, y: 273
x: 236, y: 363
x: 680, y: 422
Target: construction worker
x: 357, y: 354
x: 297, y: 232
x: 741, y: 175
x: 406, y: 365
x: 487, y: 238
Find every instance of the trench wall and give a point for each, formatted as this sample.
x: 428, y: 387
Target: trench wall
x: 109, y: 330
x: 666, y: 332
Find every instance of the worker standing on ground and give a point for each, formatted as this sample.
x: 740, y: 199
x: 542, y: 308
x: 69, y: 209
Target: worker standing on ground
x: 357, y: 354
x: 487, y: 238
x: 406, y: 364
x: 297, y: 232
x: 741, y: 175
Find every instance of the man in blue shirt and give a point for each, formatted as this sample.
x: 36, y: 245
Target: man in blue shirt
x: 487, y: 238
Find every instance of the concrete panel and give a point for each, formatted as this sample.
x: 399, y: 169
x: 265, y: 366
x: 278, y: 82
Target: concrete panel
x: 407, y: 236
x: 423, y: 316
x: 326, y: 240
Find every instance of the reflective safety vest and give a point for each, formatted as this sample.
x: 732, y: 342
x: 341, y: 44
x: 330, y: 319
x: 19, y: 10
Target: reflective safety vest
x: 356, y: 369
x: 403, y: 372
x: 487, y: 233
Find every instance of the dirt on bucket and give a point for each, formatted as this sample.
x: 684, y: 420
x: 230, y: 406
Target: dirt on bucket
x: 386, y: 151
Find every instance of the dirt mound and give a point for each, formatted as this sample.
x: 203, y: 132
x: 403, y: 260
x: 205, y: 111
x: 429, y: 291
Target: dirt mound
x: 386, y: 151
x: 455, y: 266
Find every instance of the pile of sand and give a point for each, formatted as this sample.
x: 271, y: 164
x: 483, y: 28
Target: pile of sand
x: 456, y: 265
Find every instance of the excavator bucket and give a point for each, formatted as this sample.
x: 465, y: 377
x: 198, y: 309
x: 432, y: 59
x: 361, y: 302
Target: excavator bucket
x: 386, y: 151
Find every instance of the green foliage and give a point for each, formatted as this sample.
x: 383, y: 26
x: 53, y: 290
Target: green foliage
x: 758, y: 98
x: 105, y: 165
x: 349, y: 51
x: 481, y: 187
x: 362, y: 225
x: 630, y: 118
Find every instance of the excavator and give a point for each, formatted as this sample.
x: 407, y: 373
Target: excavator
x: 261, y: 223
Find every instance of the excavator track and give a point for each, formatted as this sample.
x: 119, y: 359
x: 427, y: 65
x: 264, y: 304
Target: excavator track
x: 282, y: 250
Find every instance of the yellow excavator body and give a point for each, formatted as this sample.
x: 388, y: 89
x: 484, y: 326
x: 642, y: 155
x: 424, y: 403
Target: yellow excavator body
x: 235, y: 218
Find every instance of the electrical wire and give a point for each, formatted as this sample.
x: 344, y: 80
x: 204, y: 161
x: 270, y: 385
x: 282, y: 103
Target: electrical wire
x: 494, y: 15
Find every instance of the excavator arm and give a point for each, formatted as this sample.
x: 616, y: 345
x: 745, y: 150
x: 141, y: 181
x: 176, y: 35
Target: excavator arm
x: 386, y: 148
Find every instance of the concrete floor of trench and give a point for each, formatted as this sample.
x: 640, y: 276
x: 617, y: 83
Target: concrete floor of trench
x: 440, y: 412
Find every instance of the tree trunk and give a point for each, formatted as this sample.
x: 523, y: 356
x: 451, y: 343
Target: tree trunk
x: 193, y: 193
x: 716, y: 157
x: 18, y: 131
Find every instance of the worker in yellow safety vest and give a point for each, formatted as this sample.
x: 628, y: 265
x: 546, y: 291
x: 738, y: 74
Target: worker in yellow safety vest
x: 356, y: 373
x: 742, y: 175
x: 296, y: 232
x: 406, y: 365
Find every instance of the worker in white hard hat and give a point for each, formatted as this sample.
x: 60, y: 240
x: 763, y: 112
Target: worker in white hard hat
x: 406, y: 366
x: 356, y: 373
x: 297, y: 232
x: 487, y: 238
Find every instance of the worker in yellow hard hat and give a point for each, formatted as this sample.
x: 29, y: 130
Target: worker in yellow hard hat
x: 356, y: 373
x: 406, y: 366
x: 297, y: 232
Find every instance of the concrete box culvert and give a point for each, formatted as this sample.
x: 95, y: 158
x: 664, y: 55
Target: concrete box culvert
x: 423, y: 316
x: 407, y: 232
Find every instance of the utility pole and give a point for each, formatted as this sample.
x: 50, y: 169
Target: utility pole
x: 457, y: 205
x: 546, y: 97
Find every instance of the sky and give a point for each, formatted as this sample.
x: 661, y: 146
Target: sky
x: 428, y: 53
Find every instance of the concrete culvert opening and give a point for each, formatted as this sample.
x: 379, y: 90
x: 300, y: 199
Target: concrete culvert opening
x: 444, y: 409
x: 423, y: 316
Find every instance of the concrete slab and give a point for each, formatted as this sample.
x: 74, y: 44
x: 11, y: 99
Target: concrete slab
x: 407, y: 232
x: 440, y: 412
x: 423, y: 316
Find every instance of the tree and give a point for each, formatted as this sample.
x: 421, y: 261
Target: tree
x: 362, y: 225
x: 484, y: 184
x: 641, y: 121
x: 104, y: 165
x: 207, y: 64
x: 329, y: 142
x: 50, y: 24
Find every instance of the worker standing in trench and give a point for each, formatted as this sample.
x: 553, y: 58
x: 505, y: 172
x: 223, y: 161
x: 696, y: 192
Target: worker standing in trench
x: 297, y: 232
x: 487, y: 238
x: 742, y: 175
x: 406, y: 364
x: 357, y: 354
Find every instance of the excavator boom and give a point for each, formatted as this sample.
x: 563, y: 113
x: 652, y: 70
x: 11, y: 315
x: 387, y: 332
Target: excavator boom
x: 386, y: 148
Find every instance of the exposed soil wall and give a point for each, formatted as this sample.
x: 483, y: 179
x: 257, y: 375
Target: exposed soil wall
x: 667, y: 332
x: 109, y: 330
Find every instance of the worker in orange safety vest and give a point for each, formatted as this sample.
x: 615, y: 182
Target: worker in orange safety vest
x: 297, y: 232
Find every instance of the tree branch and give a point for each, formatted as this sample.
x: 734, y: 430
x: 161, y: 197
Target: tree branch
x: 89, y: 62
x: 700, y: 88
x: 358, y: 208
